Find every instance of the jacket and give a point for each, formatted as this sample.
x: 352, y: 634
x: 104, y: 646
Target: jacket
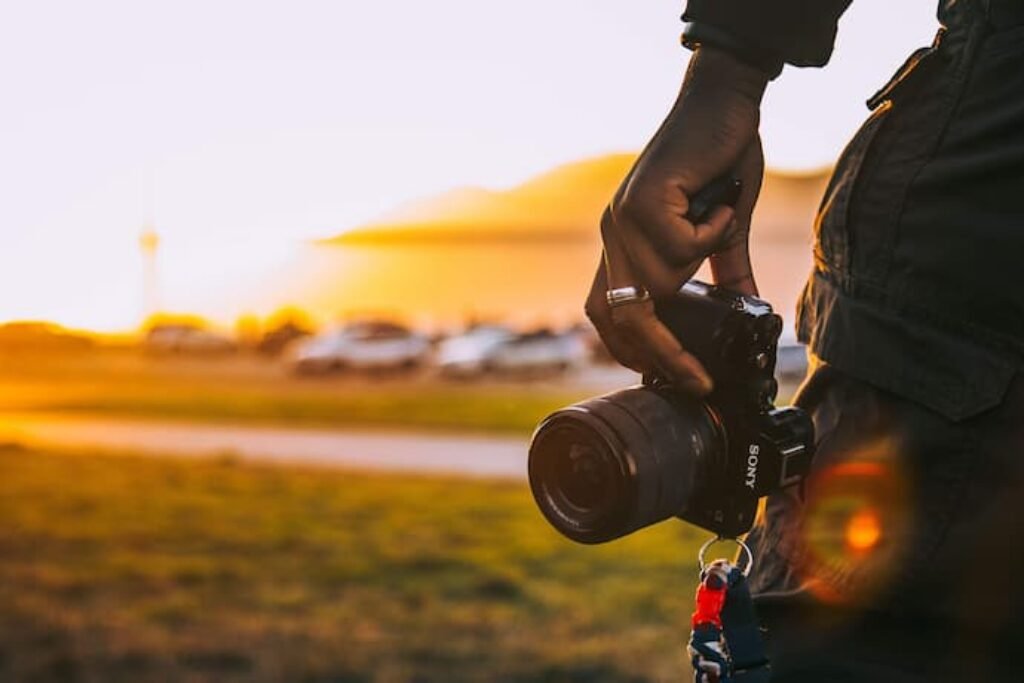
x: 917, y: 284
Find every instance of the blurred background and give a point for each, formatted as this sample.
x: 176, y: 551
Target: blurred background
x: 284, y: 288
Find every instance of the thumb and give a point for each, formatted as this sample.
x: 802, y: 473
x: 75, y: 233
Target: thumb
x: 731, y: 266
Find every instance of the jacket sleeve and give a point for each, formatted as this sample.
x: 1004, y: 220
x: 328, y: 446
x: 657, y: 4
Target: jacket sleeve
x: 798, y: 32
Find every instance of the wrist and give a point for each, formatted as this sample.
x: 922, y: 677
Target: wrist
x: 700, y: 34
x: 717, y: 69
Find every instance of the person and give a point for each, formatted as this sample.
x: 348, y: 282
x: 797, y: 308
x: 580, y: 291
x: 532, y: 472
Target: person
x: 900, y: 558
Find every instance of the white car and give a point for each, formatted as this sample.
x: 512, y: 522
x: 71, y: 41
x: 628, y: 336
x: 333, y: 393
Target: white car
x: 791, y: 363
x: 183, y: 338
x: 362, y: 346
x: 539, y: 352
x: 467, y: 354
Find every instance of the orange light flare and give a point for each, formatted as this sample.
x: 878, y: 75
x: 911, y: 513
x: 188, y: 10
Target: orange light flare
x: 863, y: 531
x: 858, y: 518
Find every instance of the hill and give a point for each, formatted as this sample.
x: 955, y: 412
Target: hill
x: 564, y: 204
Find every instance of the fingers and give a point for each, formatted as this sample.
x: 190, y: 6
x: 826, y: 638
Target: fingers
x: 655, y: 213
x: 730, y: 265
x: 623, y: 350
x: 717, y: 231
x: 659, y: 347
x: 656, y: 349
x: 648, y: 241
x: 662, y: 278
x: 731, y: 269
x: 663, y: 245
x: 617, y: 268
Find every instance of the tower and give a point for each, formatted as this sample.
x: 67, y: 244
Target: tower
x: 149, y: 243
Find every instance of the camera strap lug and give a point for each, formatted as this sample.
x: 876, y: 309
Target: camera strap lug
x: 725, y: 643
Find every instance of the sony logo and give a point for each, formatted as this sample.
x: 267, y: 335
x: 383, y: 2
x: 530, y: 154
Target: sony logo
x: 753, y: 458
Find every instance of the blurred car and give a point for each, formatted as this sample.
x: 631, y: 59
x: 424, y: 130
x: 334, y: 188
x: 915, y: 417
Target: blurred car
x: 274, y: 341
x: 185, y: 338
x: 467, y: 354
x: 373, y: 345
x: 791, y: 363
x: 539, y: 352
x: 596, y: 350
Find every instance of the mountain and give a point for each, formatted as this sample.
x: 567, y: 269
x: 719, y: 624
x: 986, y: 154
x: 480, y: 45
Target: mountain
x: 565, y: 204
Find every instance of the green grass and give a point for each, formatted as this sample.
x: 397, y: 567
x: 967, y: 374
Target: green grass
x: 120, y: 568
x: 252, y: 390
x: 244, y: 389
x: 424, y: 409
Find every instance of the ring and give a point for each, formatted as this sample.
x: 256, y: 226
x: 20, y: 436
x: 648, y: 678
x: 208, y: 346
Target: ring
x: 743, y: 547
x: 621, y: 296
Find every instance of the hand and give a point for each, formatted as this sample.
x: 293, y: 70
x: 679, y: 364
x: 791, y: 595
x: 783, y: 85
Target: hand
x: 711, y: 131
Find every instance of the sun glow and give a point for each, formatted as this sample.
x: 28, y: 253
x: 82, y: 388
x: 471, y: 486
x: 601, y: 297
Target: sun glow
x: 278, y: 125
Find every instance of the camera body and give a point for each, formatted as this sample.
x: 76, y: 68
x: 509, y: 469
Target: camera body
x: 766, y: 448
x: 607, y: 466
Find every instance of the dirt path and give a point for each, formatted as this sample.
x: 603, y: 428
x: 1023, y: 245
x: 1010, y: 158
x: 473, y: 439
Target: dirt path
x: 474, y: 456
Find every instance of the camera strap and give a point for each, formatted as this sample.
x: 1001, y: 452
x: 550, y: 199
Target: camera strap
x: 725, y: 644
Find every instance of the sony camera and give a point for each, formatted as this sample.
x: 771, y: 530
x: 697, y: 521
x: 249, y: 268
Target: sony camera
x: 607, y: 466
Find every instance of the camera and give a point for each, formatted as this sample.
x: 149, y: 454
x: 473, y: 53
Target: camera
x: 610, y: 465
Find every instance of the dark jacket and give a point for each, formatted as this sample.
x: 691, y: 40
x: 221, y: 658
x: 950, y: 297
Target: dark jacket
x: 919, y: 243
x: 799, y: 32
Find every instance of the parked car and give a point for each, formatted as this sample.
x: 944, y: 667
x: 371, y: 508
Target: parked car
x: 276, y: 340
x: 597, y: 352
x: 373, y: 345
x: 185, y: 338
x: 542, y: 351
x: 467, y: 354
x: 792, y: 359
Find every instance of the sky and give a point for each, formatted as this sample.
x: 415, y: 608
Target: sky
x: 245, y: 127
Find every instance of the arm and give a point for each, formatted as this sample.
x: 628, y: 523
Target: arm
x: 711, y: 130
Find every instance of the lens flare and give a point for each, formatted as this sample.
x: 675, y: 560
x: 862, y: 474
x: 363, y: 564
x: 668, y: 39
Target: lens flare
x: 863, y: 531
x: 856, y: 521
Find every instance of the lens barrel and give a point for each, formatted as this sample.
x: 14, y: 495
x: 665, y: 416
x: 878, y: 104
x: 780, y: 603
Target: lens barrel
x: 607, y: 466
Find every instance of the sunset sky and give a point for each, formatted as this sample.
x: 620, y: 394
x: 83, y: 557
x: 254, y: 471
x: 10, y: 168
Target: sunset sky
x: 243, y: 128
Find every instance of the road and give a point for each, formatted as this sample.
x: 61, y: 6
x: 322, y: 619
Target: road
x: 472, y: 456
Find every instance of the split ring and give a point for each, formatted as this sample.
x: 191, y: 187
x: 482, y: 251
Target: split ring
x: 744, y: 549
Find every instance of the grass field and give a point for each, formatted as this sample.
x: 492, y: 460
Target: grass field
x: 257, y: 390
x: 120, y: 568
x: 125, y: 382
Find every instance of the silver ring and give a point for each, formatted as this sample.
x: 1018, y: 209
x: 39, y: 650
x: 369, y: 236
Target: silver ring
x: 743, y: 547
x: 620, y: 296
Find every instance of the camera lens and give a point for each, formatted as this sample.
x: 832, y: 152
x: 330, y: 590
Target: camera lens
x: 585, y: 477
x: 605, y: 467
x: 579, y: 475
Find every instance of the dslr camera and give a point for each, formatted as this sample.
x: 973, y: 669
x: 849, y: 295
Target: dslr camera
x: 607, y: 466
